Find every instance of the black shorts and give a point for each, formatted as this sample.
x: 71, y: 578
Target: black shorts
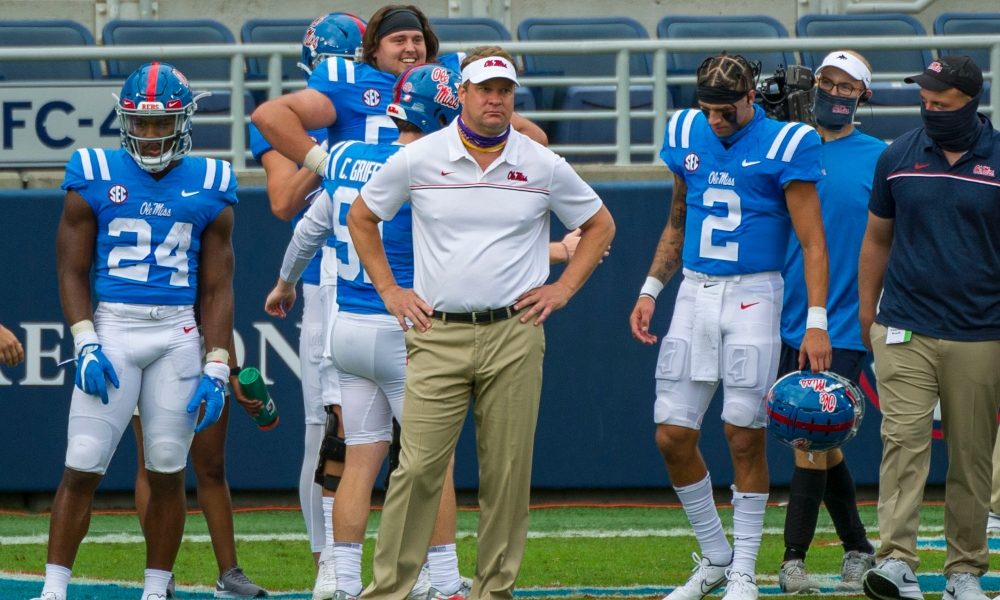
x: 846, y: 363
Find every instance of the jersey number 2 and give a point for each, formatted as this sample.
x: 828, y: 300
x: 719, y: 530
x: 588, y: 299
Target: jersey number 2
x: 171, y: 253
x: 729, y: 222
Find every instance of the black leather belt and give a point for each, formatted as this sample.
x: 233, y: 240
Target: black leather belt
x: 482, y: 317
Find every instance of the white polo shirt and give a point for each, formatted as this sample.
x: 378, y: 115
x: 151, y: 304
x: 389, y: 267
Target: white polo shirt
x: 480, y: 239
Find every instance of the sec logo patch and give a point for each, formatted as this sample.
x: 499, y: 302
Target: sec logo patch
x: 117, y: 193
x: 691, y: 162
x: 371, y: 97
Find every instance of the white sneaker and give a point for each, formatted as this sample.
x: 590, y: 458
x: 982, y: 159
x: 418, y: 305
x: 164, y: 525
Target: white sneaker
x: 463, y: 593
x: 892, y: 579
x: 963, y: 586
x: 422, y: 585
x: 793, y: 578
x: 993, y: 524
x: 705, y: 578
x: 741, y: 586
x: 853, y: 568
x: 326, y: 576
x: 50, y: 596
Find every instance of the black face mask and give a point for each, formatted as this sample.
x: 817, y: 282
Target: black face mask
x: 953, y: 130
x: 833, y: 112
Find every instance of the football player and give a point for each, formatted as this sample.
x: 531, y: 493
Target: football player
x: 740, y: 181
x: 154, y: 225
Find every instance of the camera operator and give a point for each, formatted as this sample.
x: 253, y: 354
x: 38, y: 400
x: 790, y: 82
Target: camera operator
x: 848, y: 157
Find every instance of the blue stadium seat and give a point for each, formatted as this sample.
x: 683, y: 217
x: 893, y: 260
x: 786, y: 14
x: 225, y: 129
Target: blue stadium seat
x: 872, y: 26
x: 602, y: 131
x: 956, y: 23
x: 169, y: 33
x: 55, y: 32
x: 206, y: 136
x: 273, y: 31
x: 697, y: 27
x: 593, y: 64
x: 478, y: 30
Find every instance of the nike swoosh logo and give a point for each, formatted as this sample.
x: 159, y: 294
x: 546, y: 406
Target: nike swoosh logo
x: 950, y: 591
x: 908, y: 579
x: 750, y: 163
x: 185, y: 193
x: 189, y: 329
x: 919, y: 166
x: 446, y: 173
x: 711, y: 285
x: 746, y: 306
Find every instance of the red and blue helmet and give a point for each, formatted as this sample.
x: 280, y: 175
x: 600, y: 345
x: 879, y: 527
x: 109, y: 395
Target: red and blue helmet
x: 156, y: 94
x: 814, y: 411
x: 332, y: 34
x: 427, y: 96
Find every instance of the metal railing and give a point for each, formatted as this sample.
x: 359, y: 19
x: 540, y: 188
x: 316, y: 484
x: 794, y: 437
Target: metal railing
x: 623, y: 114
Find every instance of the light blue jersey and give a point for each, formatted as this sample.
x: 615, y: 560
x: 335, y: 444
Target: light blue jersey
x: 149, y: 231
x: 259, y: 146
x: 360, y: 93
x: 737, y: 219
x: 844, y: 191
x: 351, y: 165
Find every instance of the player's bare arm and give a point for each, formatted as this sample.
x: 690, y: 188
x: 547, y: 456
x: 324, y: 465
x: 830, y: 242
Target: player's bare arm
x: 666, y: 261
x: 595, y: 236
x: 285, y: 121
x: 402, y: 303
x: 75, y: 240
x: 288, y: 185
x: 215, y: 281
x: 871, y: 271
x: 807, y: 220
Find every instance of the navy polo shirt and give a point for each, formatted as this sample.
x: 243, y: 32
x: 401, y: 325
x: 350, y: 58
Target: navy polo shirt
x: 943, y: 275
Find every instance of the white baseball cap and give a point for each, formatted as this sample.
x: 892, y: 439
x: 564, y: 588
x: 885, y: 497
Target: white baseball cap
x: 850, y: 64
x: 489, y: 68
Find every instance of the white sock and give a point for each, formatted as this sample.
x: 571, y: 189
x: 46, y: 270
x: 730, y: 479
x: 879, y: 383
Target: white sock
x: 156, y: 583
x: 748, y: 525
x: 443, y: 563
x: 347, y: 563
x: 701, y: 512
x: 56, y: 579
x: 328, y: 519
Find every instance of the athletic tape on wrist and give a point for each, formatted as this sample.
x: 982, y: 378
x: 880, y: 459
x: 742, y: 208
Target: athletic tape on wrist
x: 651, y: 288
x: 816, y: 318
x: 315, y: 160
x: 216, y: 370
x: 219, y: 355
x: 83, y: 334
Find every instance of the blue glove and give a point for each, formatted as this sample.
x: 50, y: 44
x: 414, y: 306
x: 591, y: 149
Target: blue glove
x: 93, y: 371
x: 211, y: 390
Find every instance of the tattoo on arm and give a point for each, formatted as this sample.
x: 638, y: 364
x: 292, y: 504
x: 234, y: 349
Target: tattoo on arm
x: 668, y: 251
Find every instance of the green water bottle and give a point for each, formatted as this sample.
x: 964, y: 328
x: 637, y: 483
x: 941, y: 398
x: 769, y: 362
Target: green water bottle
x: 253, y: 386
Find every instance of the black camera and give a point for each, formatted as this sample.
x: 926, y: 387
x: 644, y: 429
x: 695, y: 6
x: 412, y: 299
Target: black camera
x: 788, y: 94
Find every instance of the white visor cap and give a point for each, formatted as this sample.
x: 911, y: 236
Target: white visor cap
x: 850, y: 64
x: 489, y: 68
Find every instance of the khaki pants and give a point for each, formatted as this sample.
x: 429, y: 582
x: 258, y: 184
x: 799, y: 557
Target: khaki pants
x: 995, y: 497
x: 499, y: 366
x: 911, y: 378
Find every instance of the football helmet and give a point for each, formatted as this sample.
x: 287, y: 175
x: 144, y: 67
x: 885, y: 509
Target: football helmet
x: 332, y: 34
x: 814, y: 411
x: 427, y: 96
x: 154, y: 114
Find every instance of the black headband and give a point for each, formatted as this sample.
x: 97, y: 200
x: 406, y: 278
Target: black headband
x: 719, y: 95
x: 399, y: 20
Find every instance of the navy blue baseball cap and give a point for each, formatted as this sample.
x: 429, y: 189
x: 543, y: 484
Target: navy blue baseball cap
x: 959, y: 72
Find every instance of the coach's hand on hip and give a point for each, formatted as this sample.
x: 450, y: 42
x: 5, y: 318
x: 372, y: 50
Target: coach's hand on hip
x: 404, y: 303
x: 543, y: 300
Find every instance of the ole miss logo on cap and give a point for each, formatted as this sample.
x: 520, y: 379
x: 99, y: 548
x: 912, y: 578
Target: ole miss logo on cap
x: 934, y: 66
x: 496, y: 62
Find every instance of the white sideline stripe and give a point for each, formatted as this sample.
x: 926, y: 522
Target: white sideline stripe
x: 128, y: 538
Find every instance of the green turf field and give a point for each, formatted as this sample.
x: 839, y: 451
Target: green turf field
x: 571, y: 552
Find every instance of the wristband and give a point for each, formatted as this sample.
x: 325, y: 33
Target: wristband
x: 651, y: 288
x: 315, y: 160
x: 816, y: 318
x: 235, y: 371
x: 83, y: 334
x: 219, y: 355
x: 216, y: 370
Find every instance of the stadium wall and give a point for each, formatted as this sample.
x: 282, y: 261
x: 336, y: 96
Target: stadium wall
x: 595, y: 428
